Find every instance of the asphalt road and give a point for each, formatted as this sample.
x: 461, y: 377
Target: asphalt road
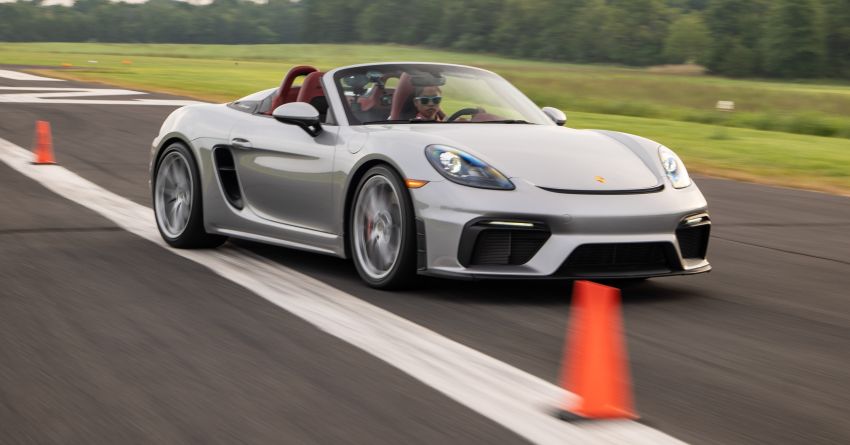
x: 107, y: 338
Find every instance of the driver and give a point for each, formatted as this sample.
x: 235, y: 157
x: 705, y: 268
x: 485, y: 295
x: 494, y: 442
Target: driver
x: 427, y: 102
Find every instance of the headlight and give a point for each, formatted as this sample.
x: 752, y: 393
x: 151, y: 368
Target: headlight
x: 463, y: 168
x: 674, y: 167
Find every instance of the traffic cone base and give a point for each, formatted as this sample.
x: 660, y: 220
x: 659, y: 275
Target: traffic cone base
x: 43, y: 143
x: 571, y: 416
x: 611, y: 413
x: 595, y: 366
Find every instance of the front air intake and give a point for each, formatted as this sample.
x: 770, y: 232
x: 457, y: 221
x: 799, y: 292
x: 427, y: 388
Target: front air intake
x: 619, y: 258
x: 501, y: 243
x: 693, y: 239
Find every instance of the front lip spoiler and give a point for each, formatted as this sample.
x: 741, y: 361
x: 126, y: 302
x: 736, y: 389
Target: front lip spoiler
x: 653, y: 189
x: 555, y: 276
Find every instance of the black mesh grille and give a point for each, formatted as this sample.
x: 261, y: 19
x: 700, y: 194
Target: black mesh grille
x: 507, y: 247
x: 693, y: 241
x: 610, y: 258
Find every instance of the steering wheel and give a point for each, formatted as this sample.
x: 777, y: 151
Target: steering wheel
x: 462, y: 112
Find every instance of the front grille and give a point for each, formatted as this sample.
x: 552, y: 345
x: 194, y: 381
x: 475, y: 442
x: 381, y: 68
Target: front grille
x: 492, y: 247
x: 693, y: 241
x: 506, y: 247
x: 603, y: 259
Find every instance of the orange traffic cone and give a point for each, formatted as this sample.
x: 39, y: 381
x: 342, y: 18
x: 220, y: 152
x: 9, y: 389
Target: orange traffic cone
x: 595, y: 366
x: 43, y: 143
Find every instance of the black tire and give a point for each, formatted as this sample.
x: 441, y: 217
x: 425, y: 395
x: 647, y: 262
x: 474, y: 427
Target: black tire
x: 193, y: 235
x: 402, y: 274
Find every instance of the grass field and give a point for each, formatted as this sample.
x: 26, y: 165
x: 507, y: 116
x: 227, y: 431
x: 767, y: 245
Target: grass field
x: 677, y: 110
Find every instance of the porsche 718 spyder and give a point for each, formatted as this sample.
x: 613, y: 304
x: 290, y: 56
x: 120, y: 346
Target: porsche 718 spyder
x: 425, y: 168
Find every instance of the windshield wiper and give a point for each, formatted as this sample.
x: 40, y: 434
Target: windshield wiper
x: 422, y: 121
x: 505, y: 121
x: 401, y: 121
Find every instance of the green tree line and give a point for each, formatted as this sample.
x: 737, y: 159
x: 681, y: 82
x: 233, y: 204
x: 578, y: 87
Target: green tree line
x: 771, y: 38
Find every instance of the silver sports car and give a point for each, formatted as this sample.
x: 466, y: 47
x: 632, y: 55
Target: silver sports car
x: 425, y: 168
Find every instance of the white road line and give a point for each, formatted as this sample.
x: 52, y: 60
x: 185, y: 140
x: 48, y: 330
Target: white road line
x: 511, y: 397
x: 49, y: 95
x: 16, y: 75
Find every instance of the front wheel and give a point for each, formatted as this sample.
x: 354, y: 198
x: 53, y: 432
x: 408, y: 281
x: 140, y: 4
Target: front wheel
x: 383, y: 239
x: 177, y: 201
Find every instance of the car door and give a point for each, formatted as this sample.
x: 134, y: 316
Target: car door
x: 285, y: 173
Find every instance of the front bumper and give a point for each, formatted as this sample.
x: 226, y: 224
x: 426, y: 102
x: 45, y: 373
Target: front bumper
x: 589, y: 236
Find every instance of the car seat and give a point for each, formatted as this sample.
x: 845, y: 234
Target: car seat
x: 312, y: 92
x: 286, y: 93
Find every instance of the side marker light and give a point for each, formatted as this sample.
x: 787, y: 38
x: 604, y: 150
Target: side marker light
x: 414, y: 183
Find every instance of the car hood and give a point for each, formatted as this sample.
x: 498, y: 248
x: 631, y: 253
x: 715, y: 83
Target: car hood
x: 548, y: 156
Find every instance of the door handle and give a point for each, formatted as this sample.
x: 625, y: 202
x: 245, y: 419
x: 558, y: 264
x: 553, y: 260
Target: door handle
x: 240, y: 143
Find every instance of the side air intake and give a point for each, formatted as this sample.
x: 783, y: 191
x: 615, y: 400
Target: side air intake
x: 226, y: 169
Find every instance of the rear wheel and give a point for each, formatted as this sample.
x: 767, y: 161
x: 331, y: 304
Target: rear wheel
x: 382, y: 235
x: 177, y: 201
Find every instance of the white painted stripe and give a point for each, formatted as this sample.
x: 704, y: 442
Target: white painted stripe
x: 40, y: 88
x: 515, y: 399
x: 65, y: 95
x: 160, y: 102
x: 17, y: 75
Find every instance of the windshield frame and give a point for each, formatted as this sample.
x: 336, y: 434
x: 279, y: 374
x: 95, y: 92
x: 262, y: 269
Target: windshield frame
x: 339, y: 100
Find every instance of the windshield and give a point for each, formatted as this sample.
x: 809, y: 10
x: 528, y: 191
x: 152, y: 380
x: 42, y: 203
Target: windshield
x: 434, y: 94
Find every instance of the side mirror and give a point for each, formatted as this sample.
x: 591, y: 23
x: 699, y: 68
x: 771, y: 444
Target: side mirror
x: 302, y: 114
x: 556, y: 115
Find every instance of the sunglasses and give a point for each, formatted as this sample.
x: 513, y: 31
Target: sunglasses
x: 425, y: 100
